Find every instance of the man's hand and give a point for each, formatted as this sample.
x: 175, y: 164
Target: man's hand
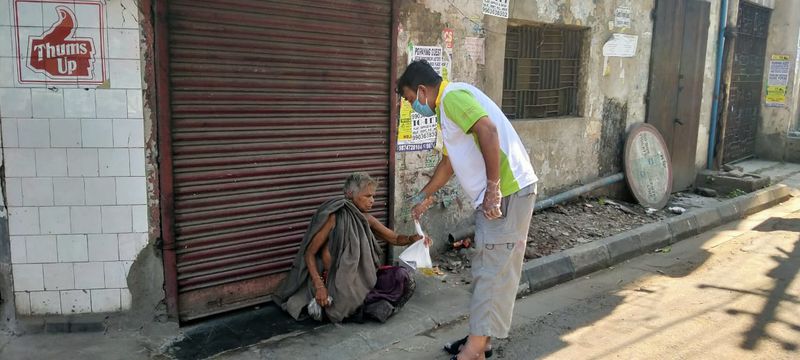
x: 421, y: 205
x: 492, y: 199
x: 322, y: 296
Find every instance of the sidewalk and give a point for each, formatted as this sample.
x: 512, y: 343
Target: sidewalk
x: 434, y: 304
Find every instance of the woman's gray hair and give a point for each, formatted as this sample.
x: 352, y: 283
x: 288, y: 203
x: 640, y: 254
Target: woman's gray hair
x: 356, y: 182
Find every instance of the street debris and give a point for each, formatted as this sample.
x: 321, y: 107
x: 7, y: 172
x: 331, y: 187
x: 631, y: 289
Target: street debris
x: 664, y: 250
x: 677, y: 210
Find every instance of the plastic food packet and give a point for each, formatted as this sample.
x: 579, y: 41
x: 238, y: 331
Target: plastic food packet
x: 417, y: 256
x: 314, y: 310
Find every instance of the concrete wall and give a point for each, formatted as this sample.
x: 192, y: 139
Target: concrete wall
x: 74, y: 151
x: 776, y: 122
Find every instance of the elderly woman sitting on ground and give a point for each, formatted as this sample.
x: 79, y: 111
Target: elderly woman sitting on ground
x: 339, y: 263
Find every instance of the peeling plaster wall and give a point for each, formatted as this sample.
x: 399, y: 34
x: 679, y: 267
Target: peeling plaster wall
x: 771, y: 141
x: 569, y: 151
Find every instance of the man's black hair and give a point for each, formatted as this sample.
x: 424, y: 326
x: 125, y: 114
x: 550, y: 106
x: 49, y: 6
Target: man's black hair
x: 418, y: 73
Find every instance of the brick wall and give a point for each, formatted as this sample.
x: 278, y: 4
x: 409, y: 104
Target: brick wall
x: 74, y: 162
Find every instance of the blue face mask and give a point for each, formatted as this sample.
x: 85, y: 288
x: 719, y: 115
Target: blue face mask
x: 422, y: 109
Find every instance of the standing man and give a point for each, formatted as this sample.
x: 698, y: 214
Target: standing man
x: 492, y: 165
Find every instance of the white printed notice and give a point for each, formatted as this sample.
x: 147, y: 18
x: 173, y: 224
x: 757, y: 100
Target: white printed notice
x: 497, y: 8
x: 622, y: 17
x: 475, y: 49
x: 621, y: 45
x: 415, y: 132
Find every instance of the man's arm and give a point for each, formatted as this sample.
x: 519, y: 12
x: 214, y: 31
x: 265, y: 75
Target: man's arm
x: 319, y: 240
x: 442, y: 174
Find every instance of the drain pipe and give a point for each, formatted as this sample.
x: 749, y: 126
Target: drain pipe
x: 712, y: 136
x: 578, y: 191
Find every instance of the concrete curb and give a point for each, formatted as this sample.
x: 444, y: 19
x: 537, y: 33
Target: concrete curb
x: 551, y: 270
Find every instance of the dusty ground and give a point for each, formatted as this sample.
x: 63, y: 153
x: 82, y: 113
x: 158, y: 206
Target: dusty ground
x: 571, y: 224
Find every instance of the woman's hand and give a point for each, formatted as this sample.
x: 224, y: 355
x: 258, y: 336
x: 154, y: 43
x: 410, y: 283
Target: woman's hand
x: 322, y: 296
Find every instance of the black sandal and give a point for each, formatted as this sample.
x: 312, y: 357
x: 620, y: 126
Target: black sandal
x: 454, y: 348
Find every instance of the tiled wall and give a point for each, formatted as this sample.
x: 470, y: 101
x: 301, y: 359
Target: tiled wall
x: 74, y: 172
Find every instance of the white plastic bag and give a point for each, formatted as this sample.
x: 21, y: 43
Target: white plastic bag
x: 417, y: 256
x: 314, y: 310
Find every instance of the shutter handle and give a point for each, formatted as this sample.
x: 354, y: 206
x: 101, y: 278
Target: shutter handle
x: 678, y: 121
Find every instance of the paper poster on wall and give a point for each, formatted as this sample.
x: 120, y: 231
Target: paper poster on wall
x: 475, y: 49
x: 622, y: 17
x: 448, y: 37
x: 431, y: 54
x: 778, y: 80
x: 414, y: 131
x: 497, y: 8
x: 68, y: 49
x: 621, y: 45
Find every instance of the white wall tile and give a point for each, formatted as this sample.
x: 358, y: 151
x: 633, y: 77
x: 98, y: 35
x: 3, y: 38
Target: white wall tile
x: 18, y: 251
x: 68, y: 191
x: 115, y: 275
x: 5, y: 14
x: 41, y: 248
x: 65, y: 133
x: 102, y: 191
x: 126, y: 299
x: 103, y: 247
x: 130, y: 245
x: 85, y: 219
x: 58, y: 277
x: 22, y: 301
x: 122, y: 14
x: 33, y: 133
x: 10, y: 137
x: 29, y: 14
x: 135, y: 104
x: 54, y: 220
x: 127, y: 265
x: 76, y: 302
x: 89, y: 275
x: 16, y: 103
x: 82, y: 162
x: 20, y: 162
x: 139, y: 218
x: 116, y: 219
x: 111, y: 103
x: 45, y: 302
x: 72, y: 248
x: 137, y: 162
x: 23, y: 221
x: 79, y: 103
x: 114, y: 162
x: 123, y: 44
x: 28, y: 277
x: 37, y: 192
x: 47, y: 103
x: 125, y: 74
x: 8, y: 67
x: 105, y: 300
x: 51, y: 162
x: 97, y: 133
x: 87, y: 16
x: 131, y: 191
x: 7, y: 35
x: 14, y: 191
x: 129, y: 133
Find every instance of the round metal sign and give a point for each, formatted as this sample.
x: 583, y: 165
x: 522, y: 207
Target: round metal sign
x: 648, y: 168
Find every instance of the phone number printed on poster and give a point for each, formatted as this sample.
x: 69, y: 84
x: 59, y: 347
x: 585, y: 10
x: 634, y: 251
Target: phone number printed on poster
x: 415, y: 132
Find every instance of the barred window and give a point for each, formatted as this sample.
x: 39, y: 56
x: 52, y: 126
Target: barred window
x: 542, y: 66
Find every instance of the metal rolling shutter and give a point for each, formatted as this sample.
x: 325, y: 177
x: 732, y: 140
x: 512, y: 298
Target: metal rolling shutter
x: 272, y: 103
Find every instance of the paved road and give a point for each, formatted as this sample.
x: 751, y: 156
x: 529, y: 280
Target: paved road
x: 731, y: 293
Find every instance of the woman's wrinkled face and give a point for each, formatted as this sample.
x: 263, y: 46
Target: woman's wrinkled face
x: 365, y: 198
